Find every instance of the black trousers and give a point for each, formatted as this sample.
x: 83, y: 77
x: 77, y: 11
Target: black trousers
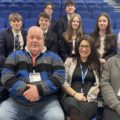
x: 88, y: 110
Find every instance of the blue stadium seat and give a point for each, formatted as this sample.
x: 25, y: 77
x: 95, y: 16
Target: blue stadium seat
x: 2, y: 23
x: 82, y: 8
x: 116, y: 31
x: 94, y: 8
x: 56, y: 15
x: 35, y: 14
x: 26, y: 7
x: 7, y: 2
x: 29, y: 22
x: 88, y: 23
x: 90, y: 3
x: 107, y: 8
x: 3, y: 7
x: 114, y: 14
x: 42, y: 3
x: 25, y: 14
x: 30, y: 2
x: 13, y: 7
x: 5, y: 13
x: 112, y: 21
x: 117, y: 23
x: 85, y: 14
x: 101, y: 3
x: 19, y: 2
x: 96, y: 14
x: 88, y: 31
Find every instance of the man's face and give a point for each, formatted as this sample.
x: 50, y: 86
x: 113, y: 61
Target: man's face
x: 16, y: 24
x: 48, y: 10
x: 35, y: 40
x: 70, y: 9
x: 44, y: 23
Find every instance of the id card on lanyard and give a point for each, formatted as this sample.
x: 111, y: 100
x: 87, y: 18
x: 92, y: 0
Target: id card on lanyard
x: 34, y: 77
x: 83, y: 77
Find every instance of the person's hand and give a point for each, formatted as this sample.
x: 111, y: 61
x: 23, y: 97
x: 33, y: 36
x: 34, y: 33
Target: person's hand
x: 32, y: 93
x: 102, y: 61
x: 80, y: 97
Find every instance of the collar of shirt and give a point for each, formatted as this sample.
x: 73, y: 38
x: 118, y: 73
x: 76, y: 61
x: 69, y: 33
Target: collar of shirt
x: 36, y: 55
x: 50, y: 18
x: 68, y: 17
x: 14, y: 33
x: 45, y: 31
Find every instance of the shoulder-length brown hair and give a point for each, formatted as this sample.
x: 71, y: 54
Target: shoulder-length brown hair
x: 69, y: 32
x: 93, y: 59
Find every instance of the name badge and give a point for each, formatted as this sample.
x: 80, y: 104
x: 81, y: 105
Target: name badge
x: 34, y: 77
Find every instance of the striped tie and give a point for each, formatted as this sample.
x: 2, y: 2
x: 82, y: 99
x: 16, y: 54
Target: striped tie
x: 45, y: 35
x: 17, y: 43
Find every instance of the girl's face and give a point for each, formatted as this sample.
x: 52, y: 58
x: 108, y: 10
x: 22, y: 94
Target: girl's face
x: 102, y: 23
x: 75, y: 23
x: 84, y: 49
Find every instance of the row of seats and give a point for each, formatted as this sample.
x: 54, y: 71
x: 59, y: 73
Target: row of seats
x: 56, y: 6
x: 7, y: 3
x: 56, y: 15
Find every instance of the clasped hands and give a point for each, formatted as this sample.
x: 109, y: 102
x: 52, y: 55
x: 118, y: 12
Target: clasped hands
x: 80, y: 97
x: 32, y: 93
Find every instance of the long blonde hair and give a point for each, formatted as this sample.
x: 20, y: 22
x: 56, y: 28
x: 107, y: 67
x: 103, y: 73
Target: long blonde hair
x: 69, y: 32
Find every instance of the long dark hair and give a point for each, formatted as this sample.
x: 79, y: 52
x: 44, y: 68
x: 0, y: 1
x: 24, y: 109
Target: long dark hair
x: 93, y: 59
x: 109, y: 33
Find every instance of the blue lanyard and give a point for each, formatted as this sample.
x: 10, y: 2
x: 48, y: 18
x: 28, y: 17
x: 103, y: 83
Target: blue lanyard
x: 83, y: 74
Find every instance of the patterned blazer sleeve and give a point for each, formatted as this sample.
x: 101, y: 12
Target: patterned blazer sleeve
x: 67, y: 68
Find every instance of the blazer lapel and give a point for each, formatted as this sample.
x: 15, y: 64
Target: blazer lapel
x: 11, y: 38
x: 71, y: 70
x: 24, y: 34
x: 65, y: 22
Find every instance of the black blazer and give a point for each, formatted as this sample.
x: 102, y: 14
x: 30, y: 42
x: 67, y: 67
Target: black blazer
x: 7, y: 42
x: 53, y: 25
x: 51, y: 41
x: 62, y: 26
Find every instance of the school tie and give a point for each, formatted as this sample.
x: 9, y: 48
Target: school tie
x: 17, y: 42
x: 45, y: 34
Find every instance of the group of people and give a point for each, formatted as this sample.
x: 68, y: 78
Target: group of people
x: 55, y: 71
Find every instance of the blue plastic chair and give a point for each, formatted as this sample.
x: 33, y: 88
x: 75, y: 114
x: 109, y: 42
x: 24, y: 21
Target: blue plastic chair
x: 88, y: 23
x: 114, y: 14
x: 117, y: 24
x: 29, y: 22
x: 85, y: 14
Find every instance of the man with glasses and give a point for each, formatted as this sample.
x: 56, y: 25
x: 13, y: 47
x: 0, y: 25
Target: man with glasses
x: 48, y: 8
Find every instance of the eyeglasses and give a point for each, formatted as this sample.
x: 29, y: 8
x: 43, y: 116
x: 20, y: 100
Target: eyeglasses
x: 84, y: 46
